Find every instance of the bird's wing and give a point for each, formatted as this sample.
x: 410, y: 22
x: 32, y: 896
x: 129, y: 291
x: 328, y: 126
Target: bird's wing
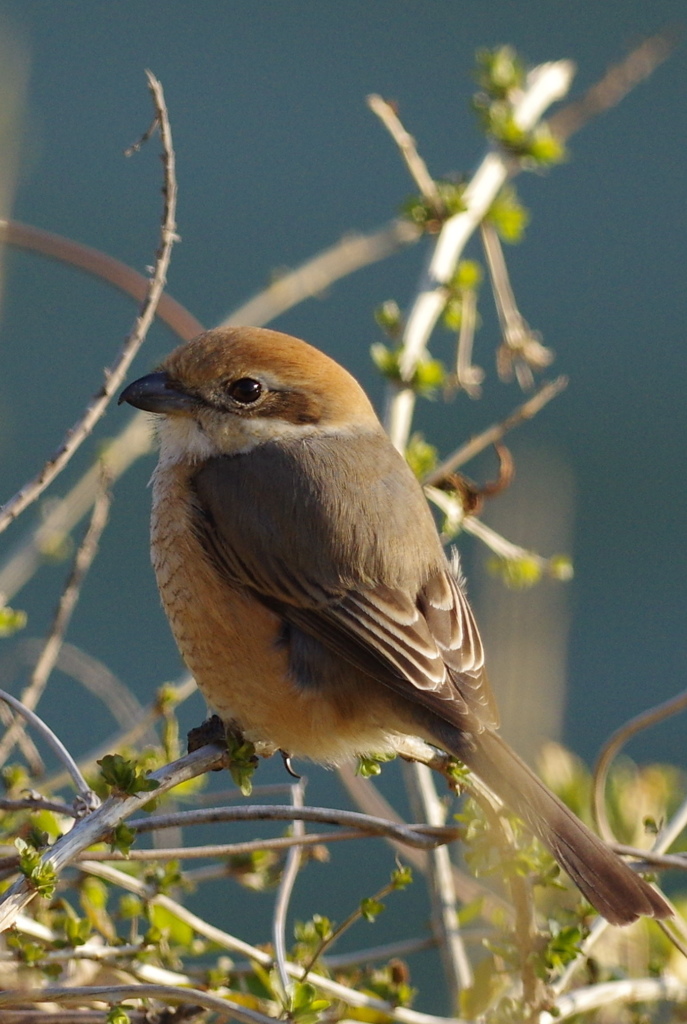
x: 421, y: 640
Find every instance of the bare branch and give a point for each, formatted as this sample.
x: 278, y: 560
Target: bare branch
x: 56, y: 745
x: 116, y: 993
x: 546, y: 84
x: 406, y: 143
x: 114, y: 376
x: 494, y: 433
x: 131, y: 443
x: 521, y: 350
x: 445, y: 925
x: 223, y: 850
x: 612, y: 747
x: 98, y: 824
x: 286, y: 886
x: 315, y: 275
x: 618, y: 81
x: 101, y: 266
x: 423, y: 836
x: 630, y: 990
x: 83, y: 560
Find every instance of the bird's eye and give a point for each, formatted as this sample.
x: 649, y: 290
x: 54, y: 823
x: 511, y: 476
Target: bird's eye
x: 245, y: 390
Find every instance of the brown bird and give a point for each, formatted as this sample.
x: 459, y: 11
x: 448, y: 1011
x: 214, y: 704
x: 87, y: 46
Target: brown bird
x: 307, y: 587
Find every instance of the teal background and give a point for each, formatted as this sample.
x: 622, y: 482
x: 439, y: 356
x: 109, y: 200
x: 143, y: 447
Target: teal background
x: 278, y: 156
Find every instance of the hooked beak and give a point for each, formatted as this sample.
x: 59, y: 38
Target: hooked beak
x: 155, y: 393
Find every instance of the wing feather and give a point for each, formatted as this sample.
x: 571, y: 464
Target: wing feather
x: 414, y: 632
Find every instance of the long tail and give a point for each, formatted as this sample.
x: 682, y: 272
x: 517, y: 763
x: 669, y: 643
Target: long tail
x: 619, y: 894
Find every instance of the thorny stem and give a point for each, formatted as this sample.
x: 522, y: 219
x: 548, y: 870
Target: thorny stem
x: 114, y: 376
x: 65, y: 609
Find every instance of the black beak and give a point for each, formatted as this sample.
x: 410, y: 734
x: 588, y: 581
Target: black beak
x: 155, y: 393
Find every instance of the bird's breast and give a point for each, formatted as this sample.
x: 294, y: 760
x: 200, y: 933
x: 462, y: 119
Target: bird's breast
x: 233, y: 645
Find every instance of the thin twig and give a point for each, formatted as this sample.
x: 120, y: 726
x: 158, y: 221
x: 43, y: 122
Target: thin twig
x: 83, y: 560
x: 646, y: 859
x: 350, y: 996
x: 101, y: 266
x: 406, y: 143
x: 35, y: 802
x: 612, y: 746
x: 545, y: 84
x: 114, y: 376
x: 445, y: 925
x: 172, y: 994
x: 29, y: 750
x: 223, y: 850
x: 610, y: 993
x: 671, y: 830
x: 468, y: 376
x: 132, y: 442
x: 423, y: 836
x: 56, y: 745
x: 614, y: 86
x: 100, y: 823
x: 521, y: 351
x: 353, y: 252
x: 493, y: 434
x: 286, y: 886
x: 127, y: 737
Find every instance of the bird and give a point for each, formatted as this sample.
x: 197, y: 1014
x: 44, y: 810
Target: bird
x: 309, y: 592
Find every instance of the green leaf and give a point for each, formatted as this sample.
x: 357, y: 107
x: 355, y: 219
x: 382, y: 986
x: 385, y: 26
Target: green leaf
x: 499, y: 71
x: 401, y: 877
x: 306, y: 1004
x: 242, y: 762
x: 122, y: 838
x: 117, y: 1015
x: 388, y: 316
x: 372, y: 764
x: 371, y: 908
x: 125, y: 777
x: 11, y: 620
x: 42, y: 877
x: 508, y: 215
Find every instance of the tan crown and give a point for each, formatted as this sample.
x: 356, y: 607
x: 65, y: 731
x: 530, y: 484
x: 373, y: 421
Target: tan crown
x: 304, y: 386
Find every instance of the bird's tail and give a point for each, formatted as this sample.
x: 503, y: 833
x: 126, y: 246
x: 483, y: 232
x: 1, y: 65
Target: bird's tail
x: 619, y: 894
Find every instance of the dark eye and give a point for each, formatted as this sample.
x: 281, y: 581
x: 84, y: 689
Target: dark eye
x: 245, y: 390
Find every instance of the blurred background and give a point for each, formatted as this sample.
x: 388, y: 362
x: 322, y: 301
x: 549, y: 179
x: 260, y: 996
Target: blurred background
x: 277, y: 158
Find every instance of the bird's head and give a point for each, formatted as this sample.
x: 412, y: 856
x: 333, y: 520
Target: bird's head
x: 231, y: 389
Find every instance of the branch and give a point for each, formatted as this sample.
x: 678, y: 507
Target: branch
x: 101, y: 266
x: 546, y: 84
x: 223, y: 850
x: 235, y: 945
x: 446, y: 929
x: 101, y: 822
x: 56, y: 745
x: 114, y: 376
x: 497, y: 431
x: 83, y: 561
x: 423, y: 836
x: 618, y: 81
x: 132, y: 442
x: 406, y: 143
x: 318, y: 273
x: 631, y: 990
x: 286, y: 886
x: 116, y: 993
x: 612, y: 746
